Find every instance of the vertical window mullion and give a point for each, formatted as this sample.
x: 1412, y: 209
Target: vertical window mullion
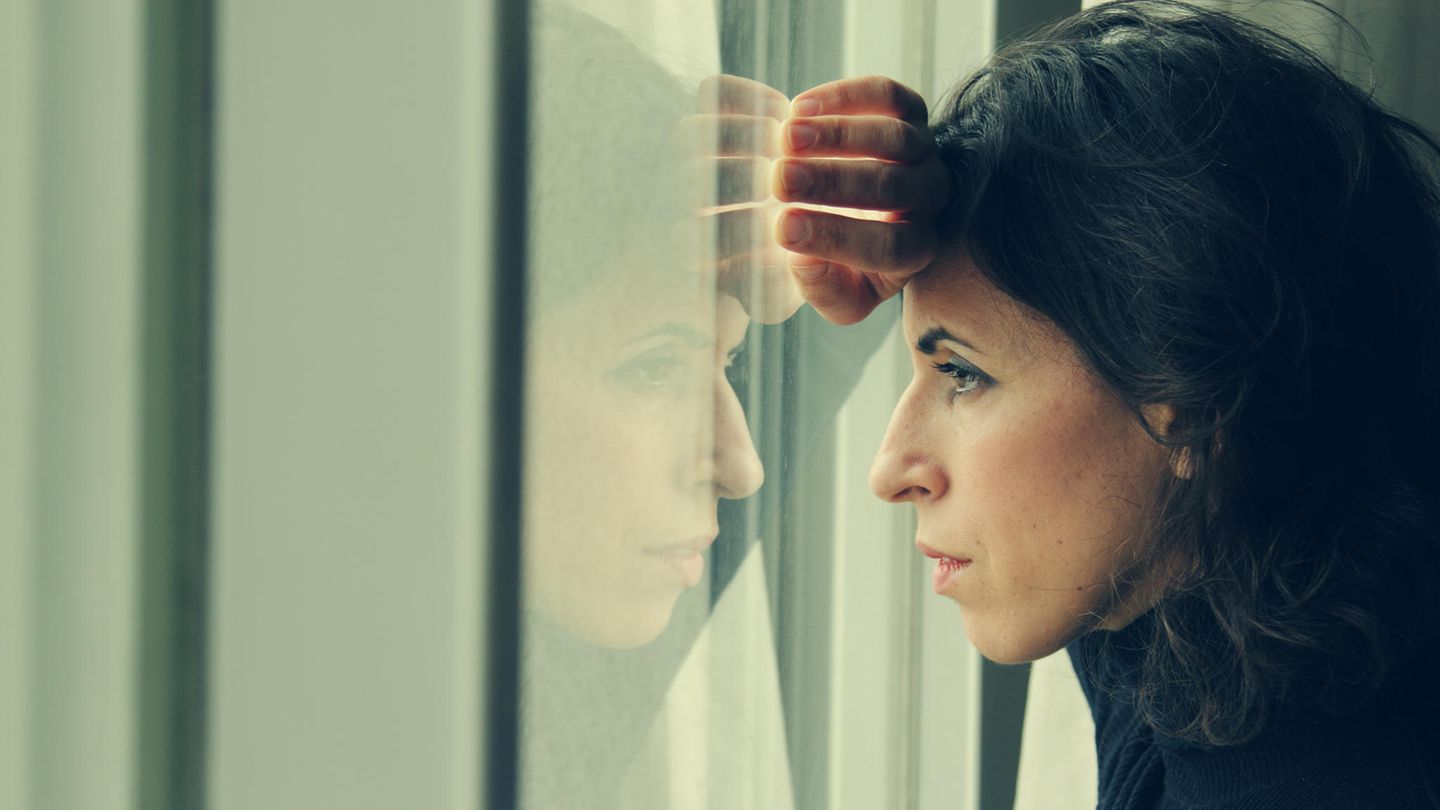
x: 179, y: 81
x: 507, y: 276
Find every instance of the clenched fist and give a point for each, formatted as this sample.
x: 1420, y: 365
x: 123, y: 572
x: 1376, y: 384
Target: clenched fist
x: 863, y: 145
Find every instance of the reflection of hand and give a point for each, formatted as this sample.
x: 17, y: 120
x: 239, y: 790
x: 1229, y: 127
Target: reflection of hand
x: 887, y: 167
x: 739, y: 125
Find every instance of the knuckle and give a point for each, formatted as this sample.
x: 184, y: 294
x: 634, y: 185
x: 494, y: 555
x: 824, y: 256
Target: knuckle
x: 824, y: 181
x: 915, y: 144
x: 893, y: 94
x: 884, y: 247
x: 882, y: 187
x: 831, y: 301
x: 878, y: 140
x: 826, y: 184
x: 918, y: 246
x: 831, y: 235
x: 869, y: 187
x: 913, y: 101
x: 897, y: 138
x: 891, y: 190
x: 821, y: 292
x: 874, y: 93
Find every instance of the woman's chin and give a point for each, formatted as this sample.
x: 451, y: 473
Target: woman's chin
x: 614, y: 627
x: 1009, y: 656
x: 1015, y: 643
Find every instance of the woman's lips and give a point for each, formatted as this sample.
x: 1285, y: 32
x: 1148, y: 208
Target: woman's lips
x: 688, y: 564
x: 947, y: 568
x: 686, y: 559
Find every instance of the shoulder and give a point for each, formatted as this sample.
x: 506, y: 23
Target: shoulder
x: 1386, y: 755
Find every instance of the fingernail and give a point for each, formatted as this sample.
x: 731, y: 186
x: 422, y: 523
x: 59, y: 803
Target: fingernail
x: 794, y: 229
x: 810, y: 272
x: 805, y: 107
x: 802, y: 136
x: 794, y: 178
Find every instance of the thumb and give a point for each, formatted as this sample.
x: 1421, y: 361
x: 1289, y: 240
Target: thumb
x: 841, y: 294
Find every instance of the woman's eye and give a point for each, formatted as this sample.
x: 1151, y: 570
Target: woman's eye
x: 966, y: 379
x: 651, y: 372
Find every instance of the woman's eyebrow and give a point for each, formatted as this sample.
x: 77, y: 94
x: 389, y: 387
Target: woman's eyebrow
x: 927, y: 341
x: 685, y: 332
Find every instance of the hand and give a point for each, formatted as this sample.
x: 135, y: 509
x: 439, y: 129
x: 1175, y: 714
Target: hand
x: 736, y: 136
x: 846, y: 266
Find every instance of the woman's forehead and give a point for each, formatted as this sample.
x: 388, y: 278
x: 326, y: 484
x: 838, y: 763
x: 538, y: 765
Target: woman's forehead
x: 958, y: 298
x: 625, y: 309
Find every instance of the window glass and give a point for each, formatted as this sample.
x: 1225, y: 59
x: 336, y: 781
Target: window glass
x: 717, y: 613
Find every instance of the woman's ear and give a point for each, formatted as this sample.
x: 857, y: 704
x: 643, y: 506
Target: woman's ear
x: 1161, y: 417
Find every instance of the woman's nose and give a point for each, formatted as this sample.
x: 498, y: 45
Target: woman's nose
x: 738, y: 471
x: 903, y: 470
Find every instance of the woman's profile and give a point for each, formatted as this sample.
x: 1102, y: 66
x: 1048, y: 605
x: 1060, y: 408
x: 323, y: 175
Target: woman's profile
x: 635, y: 432
x: 1175, y: 403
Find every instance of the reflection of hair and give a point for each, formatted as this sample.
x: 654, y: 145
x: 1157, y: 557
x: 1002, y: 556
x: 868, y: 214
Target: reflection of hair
x: 1221, y: 223
x: 605, y: 167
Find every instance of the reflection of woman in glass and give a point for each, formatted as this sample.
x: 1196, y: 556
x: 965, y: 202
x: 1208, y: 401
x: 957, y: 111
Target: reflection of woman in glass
x: 626, y: 401
x: 635, y: 432
x: 1176, y: 394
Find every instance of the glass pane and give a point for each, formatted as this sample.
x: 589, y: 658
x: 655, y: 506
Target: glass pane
x: 633, y: 433
x: 717, y: 612
x: 344, y: 669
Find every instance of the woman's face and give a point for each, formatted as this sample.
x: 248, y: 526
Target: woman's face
x: 634, y: 436
x: 1026, y: 475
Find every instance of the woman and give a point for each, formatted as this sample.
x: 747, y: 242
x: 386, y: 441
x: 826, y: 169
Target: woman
x: 1176, y: 395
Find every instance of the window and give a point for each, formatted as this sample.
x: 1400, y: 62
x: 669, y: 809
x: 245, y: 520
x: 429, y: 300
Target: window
x: 391, y: 416
x: 787, y: 665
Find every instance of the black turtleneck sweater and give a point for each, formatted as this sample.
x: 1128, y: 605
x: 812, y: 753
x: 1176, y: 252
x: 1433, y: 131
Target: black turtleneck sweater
x: 1384, y: 755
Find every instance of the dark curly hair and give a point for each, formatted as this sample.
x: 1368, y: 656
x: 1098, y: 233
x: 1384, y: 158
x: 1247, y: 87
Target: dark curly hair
x: 1223, y: 224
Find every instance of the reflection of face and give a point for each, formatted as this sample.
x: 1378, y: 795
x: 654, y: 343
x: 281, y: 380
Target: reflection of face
x: 635, y: 433
x: 1027, y: 477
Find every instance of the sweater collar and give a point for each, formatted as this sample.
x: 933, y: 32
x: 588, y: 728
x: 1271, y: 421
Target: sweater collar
x: 1286, y: 748
x: 1295, y: 740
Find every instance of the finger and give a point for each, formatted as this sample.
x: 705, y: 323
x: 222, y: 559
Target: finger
x: 735, y: 94
x: 730, y: 135
x: 771, y: 295
x: 869, y: 95
x: 866, y: 245
x: 842, y: 294
x: 872, y: 136
x: 742, y: 236
x: 709, y: 183
x: 868, y: 184
x: 764, y: 286
x: 740, y: 180
x: 749, y: 265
